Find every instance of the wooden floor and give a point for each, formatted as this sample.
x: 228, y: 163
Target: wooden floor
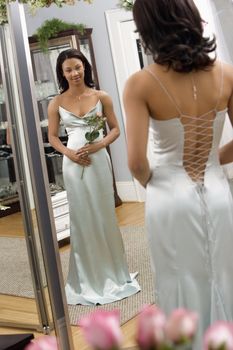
x: 23, y: 310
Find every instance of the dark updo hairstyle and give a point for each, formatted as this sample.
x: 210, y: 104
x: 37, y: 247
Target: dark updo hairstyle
x: 172, y: 32
x: 72, y: 53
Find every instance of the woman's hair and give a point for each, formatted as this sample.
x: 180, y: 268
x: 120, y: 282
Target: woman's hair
x: 72, y: 53
x: 172, y: 31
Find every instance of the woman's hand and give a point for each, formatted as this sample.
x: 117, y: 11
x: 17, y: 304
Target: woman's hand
x: 81, y: 158
x: 90, y: 148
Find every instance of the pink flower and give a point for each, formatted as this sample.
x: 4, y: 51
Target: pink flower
x: 181, y: 326
x: 102, y: 329
x: 150, y: 331
x: 43, y: 343
x: 219, y: 336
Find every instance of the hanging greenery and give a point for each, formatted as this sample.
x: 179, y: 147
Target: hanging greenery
x: 35, y: 4
x: 51, y: 28
x: 126, y: 4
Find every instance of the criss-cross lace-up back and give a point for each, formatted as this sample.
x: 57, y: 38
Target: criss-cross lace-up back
x: 198, y: 134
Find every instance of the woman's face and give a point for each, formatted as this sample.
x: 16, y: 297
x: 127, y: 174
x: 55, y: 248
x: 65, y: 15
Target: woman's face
x: 73, y: 71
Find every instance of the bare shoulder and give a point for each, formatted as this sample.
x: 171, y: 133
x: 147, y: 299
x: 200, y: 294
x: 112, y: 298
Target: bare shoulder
x: 136, y: 77
x: 102, y: 93
x: 104, y: 97
x: 137, y: 84
x: 228, y: 70
x: 55, y: 102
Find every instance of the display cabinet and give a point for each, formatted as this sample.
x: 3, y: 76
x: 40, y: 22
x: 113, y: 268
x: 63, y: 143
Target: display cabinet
x: 44, y: 69
x: 9, y: 200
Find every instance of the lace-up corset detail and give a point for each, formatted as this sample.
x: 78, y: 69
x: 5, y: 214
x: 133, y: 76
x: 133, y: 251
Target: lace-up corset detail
x: 198, y: 137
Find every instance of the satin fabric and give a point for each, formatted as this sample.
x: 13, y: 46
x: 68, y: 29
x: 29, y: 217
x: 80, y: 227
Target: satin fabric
x: 98, y: 272
x: 190, y: 228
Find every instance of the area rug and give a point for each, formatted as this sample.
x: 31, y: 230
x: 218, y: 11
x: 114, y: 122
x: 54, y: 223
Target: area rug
x: 15, y: 276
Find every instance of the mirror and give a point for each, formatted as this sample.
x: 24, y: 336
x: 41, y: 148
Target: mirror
x: 19, y: 234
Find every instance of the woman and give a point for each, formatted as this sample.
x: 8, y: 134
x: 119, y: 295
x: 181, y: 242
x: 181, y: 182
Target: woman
x: 184, y: 97
x: 98, y: 272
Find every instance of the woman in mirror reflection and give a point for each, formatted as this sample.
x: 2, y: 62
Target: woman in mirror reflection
x: 98, y: 272
x: 184, y: 97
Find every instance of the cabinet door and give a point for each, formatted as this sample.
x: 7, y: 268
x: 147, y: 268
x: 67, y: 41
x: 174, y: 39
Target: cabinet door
x: 9, y: 200
x: 44, y: 69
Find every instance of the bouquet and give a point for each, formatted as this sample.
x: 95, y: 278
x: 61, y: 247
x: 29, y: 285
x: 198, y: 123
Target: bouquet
x: 95, y: 123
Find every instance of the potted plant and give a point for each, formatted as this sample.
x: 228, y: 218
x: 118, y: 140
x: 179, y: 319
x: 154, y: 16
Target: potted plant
x: 51, y: 28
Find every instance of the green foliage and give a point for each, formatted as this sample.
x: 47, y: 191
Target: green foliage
x: 51, y: 28
x: 3, y: 15
x: 126, y: 4
x: 91, y: 136
x: 96, y: 122
x: 35, y: 4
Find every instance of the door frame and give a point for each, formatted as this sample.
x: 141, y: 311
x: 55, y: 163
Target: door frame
x: 114, y: 19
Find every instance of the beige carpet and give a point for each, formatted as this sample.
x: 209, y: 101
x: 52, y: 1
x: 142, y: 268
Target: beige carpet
x: 15, y: 276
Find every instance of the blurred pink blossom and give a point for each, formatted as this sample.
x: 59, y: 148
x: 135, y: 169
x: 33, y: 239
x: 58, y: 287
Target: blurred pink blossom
x: 181, y: 326
x: 219, y: 336
x: 43, y: 343
x: 102, y: 329
x: 150, y: 330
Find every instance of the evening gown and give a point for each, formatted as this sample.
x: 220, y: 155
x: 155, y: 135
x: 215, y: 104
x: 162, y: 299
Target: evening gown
x: 98, y: 272
x: 189, y: 215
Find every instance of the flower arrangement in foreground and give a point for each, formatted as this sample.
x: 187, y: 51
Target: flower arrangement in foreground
x: 34, y: 4
x: 154, y: 331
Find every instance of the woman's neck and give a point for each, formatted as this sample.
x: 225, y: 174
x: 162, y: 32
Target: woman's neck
x: 77, y: 90
x: 80, y: 92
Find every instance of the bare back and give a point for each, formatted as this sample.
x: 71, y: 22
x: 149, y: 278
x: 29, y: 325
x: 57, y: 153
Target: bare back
x: 195, y: 99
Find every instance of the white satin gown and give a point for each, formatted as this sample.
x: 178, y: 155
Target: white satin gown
x: 189, y: 216
x: 98, y: 272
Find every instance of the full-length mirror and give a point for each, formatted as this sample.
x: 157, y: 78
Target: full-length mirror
x: 20, y: 242
x: 112, y: 47
x: 35, y: 277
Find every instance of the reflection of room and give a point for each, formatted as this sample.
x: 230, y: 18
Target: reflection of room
x: 45, y: 88
x: 40, y: 95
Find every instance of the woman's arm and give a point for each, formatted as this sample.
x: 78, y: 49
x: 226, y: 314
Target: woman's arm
x: 226, y: 151
x: 53, y: 127
x: 53, y: 132
x: 108, y: 111
x: 137, y: 126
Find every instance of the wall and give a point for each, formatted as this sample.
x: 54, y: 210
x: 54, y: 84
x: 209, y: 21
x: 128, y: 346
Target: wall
x: 93, y: 16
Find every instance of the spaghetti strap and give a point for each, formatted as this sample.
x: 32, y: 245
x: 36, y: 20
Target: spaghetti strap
x: 171, y: 98
x: 221, y: 87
